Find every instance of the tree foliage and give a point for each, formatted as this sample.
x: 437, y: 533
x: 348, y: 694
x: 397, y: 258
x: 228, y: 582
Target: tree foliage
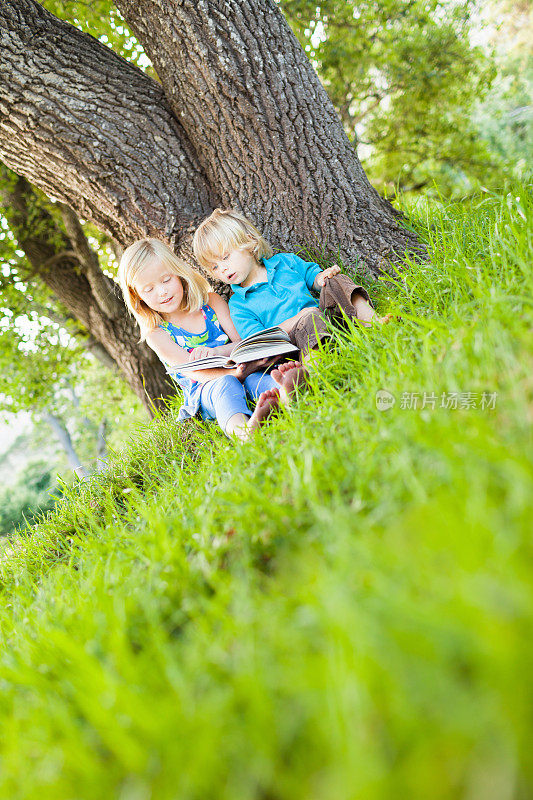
x: 36, y: 352
x: 404, y: 77
x: 102, y: 20
x: 41, y: 342
x: 505, y: 117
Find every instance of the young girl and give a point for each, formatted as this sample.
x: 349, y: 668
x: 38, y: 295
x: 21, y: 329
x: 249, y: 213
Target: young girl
x: 276, y: 289
x: 182, y: 320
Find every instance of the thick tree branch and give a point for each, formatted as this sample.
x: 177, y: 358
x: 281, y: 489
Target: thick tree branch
x: 102, y: 287
x: 93, y: 131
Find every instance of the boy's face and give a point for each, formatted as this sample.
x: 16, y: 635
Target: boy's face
x: 236, y: 267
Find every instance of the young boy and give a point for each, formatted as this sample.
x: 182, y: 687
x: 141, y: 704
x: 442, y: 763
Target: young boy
x: 275, y: 289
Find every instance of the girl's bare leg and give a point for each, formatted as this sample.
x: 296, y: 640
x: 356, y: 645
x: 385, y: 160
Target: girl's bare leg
x: 237, y: 425
x: 289, y: 376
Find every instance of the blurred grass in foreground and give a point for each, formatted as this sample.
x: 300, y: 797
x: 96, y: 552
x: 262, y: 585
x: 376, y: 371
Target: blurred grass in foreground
x: 340, y: 609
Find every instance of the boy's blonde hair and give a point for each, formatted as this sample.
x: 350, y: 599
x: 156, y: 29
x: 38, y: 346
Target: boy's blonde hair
x: 135, y: 258
x: 224, y: 231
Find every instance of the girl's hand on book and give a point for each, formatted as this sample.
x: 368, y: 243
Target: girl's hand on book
x: 201, y: 352
x: 222, y: 349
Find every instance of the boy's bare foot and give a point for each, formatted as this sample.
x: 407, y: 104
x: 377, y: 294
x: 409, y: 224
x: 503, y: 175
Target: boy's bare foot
x: 364, y: 314
x: 267, y: 402
x: 288, y: 377
x: 368, y: 323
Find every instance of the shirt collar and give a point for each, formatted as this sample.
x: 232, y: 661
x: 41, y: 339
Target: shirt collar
x: 241, y: 291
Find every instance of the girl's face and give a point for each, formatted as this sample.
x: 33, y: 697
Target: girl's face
x: 159, y: 288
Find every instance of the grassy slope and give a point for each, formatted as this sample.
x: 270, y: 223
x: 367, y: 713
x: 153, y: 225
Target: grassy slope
x: 340, y: 609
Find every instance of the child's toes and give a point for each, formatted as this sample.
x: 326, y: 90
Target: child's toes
x: 267, y: 402
x: 268, y: 396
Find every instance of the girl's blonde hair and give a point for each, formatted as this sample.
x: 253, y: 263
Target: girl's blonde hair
x: 224, y: 231
x: 135, y: 258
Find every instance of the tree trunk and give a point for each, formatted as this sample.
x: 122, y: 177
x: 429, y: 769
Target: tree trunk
x: 98, y: 431
x: 53, y: 257
x: 63, y: 437
x: 252, y: 127
x: 93, y: 131
x: 101, y: 447
x: 263, y: 127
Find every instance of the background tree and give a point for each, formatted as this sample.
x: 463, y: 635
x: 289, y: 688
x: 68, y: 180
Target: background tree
x: 51, y: 375
x: 33, y: 493
x: 38, y: 373
x: 505, y: 117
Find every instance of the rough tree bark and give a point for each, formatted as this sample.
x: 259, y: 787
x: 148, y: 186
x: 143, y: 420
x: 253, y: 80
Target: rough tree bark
x: 262, y: 125
x: 93, y: 131
x: 252, y: 127
x: 67, y: 266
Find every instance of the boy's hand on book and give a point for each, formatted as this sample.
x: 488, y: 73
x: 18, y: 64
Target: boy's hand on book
x: 243, y: 370
x: 322, y: 277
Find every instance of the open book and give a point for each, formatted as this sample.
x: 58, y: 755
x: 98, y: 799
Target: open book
x: 267, y: 343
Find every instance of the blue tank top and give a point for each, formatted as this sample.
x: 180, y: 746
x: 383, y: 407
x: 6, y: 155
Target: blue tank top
x: 213, y: 336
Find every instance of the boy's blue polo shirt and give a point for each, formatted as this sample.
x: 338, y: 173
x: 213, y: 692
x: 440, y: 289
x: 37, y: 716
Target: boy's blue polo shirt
x: 284, y: 294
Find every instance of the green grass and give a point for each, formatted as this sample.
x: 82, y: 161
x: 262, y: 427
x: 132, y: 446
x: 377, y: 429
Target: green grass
x: 340, y: 609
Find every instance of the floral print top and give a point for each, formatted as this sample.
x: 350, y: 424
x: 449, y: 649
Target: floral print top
x: 213, y: 336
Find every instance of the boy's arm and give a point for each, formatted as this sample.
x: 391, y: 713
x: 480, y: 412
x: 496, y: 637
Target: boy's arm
x: 322, y: 277
x: 314, y: 276
x: 307, y: 270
